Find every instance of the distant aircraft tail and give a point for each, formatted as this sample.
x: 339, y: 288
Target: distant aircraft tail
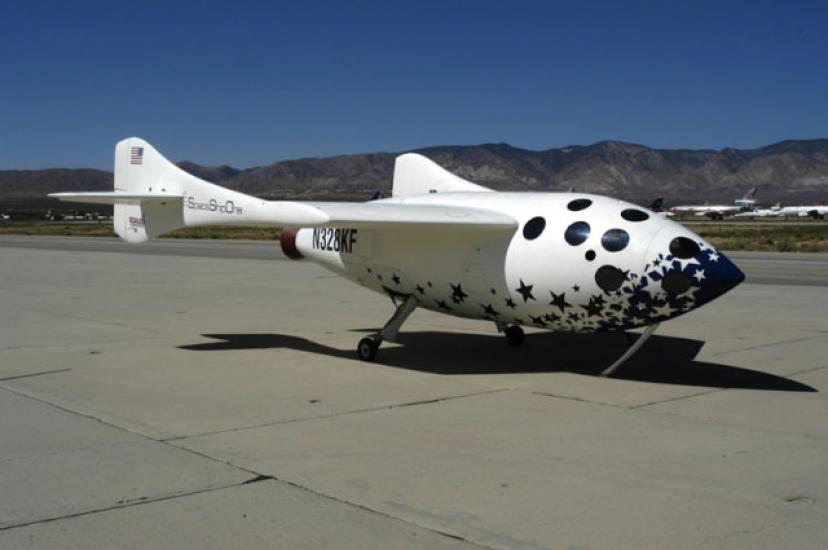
x: 750, y: 195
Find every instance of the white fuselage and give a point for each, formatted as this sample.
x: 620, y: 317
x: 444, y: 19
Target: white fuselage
x: 705, y: 210
x: 818, y: 210
x: 519, y: 277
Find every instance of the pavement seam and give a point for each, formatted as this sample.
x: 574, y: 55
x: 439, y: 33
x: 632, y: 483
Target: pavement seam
x: 383, y: 514
x: 579, y: 399
x: 768, y: 345
x: 335, y: 415
x: 677, y: 398
x: 130, y: 504
x: 31, y: 374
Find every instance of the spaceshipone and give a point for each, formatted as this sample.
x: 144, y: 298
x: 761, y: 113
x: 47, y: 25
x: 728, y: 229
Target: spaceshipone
x: 558, y: 261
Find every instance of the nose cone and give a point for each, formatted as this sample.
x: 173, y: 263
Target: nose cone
x: 683, y: 273
x: 719, y: 275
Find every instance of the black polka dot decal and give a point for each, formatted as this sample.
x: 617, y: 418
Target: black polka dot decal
x: 633, y: 215
x: 684, y: 248
x: 615, y: 240
x: 579, y: 204
x: 534, y: 228
x: 609, y: 278
x: 675, y: 282
x: 577, y: 233
x: 590, y: 255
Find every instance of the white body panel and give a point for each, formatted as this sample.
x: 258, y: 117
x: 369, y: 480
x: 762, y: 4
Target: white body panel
x: 562, y: 261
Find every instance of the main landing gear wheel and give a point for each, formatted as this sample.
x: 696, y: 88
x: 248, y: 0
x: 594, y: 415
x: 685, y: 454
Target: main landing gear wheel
x: 514, y: 335
x: 367, y: 349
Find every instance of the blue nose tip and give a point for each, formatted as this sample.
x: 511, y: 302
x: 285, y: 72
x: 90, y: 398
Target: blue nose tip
x: 721, y: 275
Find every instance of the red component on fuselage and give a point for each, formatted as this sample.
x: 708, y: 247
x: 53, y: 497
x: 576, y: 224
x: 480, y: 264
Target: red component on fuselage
x: 288, y: 241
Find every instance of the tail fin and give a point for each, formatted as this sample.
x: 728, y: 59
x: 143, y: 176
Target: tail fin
x: 750, y: 194
x: 153, y: 196
x: 416, y: 175
x: 143, y: 171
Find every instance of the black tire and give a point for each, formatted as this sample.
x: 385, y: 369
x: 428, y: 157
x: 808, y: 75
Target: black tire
x: 514, y: 335
x: 367, y: 349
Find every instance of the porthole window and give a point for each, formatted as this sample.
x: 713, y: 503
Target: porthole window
x: 633, y: 215
x: 579, y: 204
x: 577, y: 233
x: 615, y: 240
x: 684, y: 248
x: 609, y: 278
x: 534, y: 228
x: 675, y: 282
x: 590, y: 255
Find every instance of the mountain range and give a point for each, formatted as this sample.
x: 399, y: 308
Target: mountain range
x: 792, y: 171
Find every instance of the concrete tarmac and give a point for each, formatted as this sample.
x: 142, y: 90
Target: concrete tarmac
x: 188, y: 394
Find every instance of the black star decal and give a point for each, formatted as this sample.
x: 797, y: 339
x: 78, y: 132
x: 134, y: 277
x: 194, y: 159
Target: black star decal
x: 510, y: 303
x: 369, y: 270
x: 457, y: 294
x: 576, y: 288
x: 379, y: 277
x: 525, y: 291
x: 573, y: 316
x: 552, y: 317
x: 493, y: 291
x: 443, y: 305
x: 559, y: 300
x: 428, y: 284
x: 596, y: 304
x: 396, y: 279
x: 490, y: 310
x: 420, y: 289
x: 538, y: 321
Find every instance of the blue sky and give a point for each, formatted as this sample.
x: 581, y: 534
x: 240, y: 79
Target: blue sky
x: 247, y: 83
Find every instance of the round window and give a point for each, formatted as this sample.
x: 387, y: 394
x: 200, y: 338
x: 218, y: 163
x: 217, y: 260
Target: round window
x: 577, y: 233
x: 579, y: 204
x: 615, y: 240
x: 609, y: 278
x: 684, y: 248
x: 633, y: 215
x: 534, y: 228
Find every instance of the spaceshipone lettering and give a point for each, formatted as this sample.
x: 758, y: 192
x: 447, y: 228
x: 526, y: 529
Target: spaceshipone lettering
x: 334, y: 239
x: 228, y: 207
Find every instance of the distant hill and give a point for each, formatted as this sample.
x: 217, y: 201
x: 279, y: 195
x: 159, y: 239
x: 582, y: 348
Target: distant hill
x: 792, y: 171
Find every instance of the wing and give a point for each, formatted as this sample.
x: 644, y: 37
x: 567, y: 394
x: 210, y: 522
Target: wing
x: 372, y: 214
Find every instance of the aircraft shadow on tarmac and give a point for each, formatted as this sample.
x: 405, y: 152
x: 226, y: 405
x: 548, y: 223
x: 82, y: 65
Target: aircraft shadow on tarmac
x: 663, y: 360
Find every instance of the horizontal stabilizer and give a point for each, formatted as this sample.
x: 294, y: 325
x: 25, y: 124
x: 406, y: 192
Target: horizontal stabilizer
x: 117, y: 197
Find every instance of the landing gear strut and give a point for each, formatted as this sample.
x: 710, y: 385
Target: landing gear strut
x: 631, y: 350
x: 368, y: 347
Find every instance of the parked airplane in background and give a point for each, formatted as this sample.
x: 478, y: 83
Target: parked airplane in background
x: 716, y: 212
x: 760, y: 212
x: 559, y: 261
x: 817, y: 211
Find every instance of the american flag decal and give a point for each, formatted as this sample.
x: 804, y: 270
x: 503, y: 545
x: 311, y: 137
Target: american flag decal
x: 136, y: 155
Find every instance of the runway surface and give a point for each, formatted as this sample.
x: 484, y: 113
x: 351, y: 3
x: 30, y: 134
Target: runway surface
x: 201, y: 395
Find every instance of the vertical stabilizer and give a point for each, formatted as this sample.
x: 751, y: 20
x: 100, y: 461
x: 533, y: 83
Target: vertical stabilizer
x: 416, y: 175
